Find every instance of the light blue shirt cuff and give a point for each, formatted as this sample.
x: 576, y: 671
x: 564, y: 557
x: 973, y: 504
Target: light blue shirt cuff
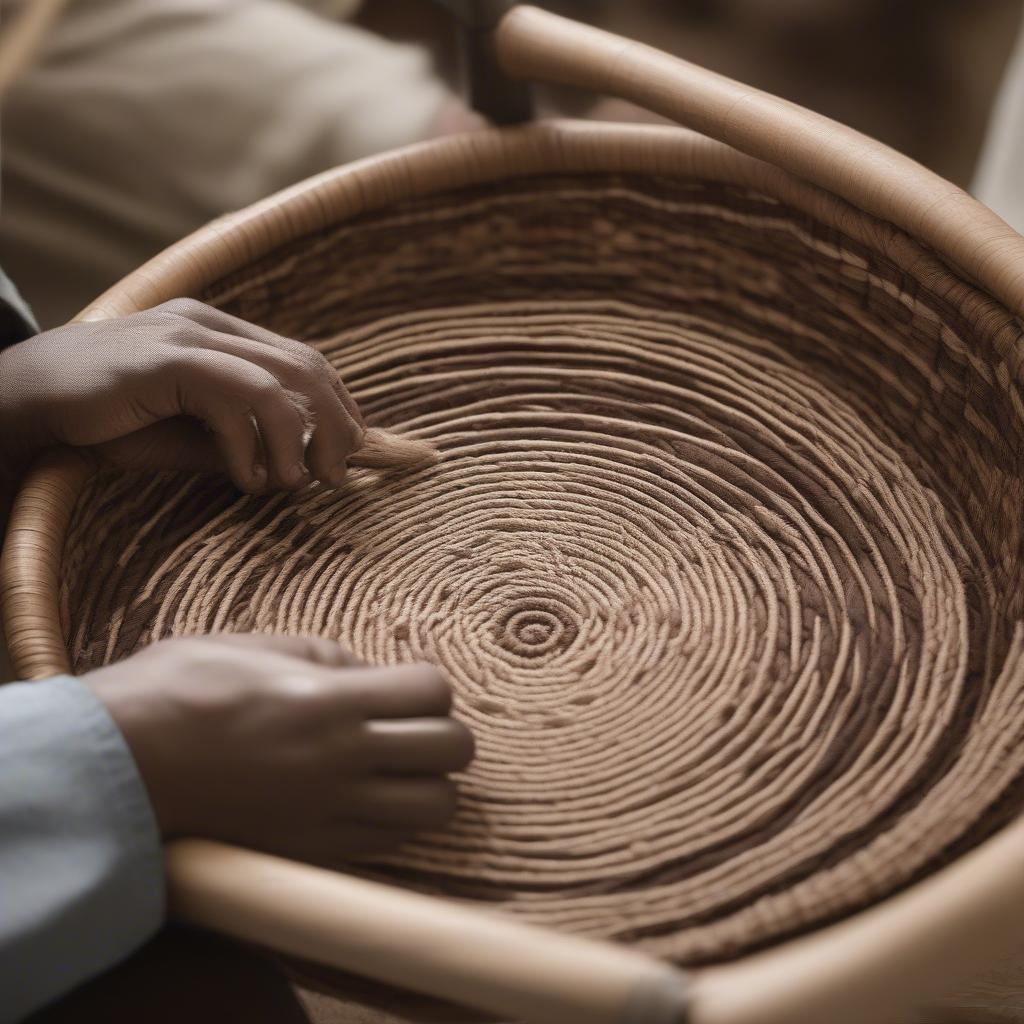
x: 81, y: 868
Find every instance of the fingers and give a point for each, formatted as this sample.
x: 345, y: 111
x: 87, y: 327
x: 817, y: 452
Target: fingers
x: 258, y: 427
x: 318, y: 650
x: 334, y: 424
x: 410, y: 804
x: 403, y: 709
x: 218, y: 320
x: 397, y: 691
x: 380, y: 693
x: 424, y: 746
x: 335, y: 433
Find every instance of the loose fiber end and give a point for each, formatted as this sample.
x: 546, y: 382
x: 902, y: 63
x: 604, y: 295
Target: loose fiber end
x: 383, y: 450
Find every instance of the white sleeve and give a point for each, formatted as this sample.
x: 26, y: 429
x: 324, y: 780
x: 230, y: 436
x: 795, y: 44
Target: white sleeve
x: 182, y: 111
x: 81, y: 870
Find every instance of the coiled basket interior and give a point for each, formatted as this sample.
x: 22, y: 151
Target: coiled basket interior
x: 722, y: 555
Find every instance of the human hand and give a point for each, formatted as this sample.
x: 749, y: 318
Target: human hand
x: 286, y: 744
x: 181, y: 386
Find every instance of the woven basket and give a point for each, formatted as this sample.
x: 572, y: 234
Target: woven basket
x: 723, y: 553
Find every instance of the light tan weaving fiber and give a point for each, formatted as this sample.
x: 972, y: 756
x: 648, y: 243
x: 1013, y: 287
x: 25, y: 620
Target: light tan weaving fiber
x: 722, y: 553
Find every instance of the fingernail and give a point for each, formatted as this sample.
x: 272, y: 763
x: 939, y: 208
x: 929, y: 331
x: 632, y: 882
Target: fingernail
x: 336, y: 477
x: 296, y: 474
x: 259, y: 476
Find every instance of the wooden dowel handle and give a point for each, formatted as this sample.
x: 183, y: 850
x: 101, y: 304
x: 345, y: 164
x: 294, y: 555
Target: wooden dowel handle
x: 538, y: 46
x: 886, y: 962
x: 419, y: 943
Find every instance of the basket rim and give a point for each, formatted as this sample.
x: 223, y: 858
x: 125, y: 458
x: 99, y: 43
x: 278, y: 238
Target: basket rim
x: 550, y: 147
x: 912, y: 942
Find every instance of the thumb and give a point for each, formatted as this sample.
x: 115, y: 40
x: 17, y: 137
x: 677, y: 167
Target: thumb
x: 317, y: 649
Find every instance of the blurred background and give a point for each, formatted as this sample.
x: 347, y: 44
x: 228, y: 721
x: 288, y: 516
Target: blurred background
x: 139, y: 121
x: 920, y: 75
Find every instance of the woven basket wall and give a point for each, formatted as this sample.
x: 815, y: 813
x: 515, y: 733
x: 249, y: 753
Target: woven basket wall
x: 723, y: 555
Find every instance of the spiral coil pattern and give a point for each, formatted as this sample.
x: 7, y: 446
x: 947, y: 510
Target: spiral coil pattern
x: 725, y: 581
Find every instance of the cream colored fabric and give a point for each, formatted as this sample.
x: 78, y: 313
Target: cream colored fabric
x: 144, y: 119
x: 333, y: 8
x: 999, y: 181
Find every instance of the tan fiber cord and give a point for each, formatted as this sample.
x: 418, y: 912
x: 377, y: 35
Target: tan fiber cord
x: 722, y: 553
x: 383, y: 450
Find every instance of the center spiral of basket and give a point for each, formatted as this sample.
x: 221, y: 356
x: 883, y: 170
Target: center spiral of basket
x: 690, y: 558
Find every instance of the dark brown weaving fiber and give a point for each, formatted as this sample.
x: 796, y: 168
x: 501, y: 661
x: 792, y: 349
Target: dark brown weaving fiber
x: 723, y: 553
